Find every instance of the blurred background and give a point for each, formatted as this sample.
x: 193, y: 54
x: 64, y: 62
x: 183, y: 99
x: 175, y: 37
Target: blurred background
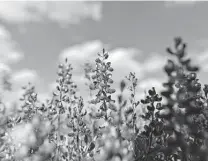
x: 36, y: 36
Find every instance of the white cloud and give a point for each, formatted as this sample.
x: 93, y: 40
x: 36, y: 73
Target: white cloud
x: 203, y: 56
x: 174, y: 3
x: 205, y: 68
x: 4, y: 67
x: 82, y: 52
x: 8, y: 53
x: 4, y: 34
x: 123, y: 59
x: 14, y: 11
x: 123, y: 62
x: 199, y: 55
x: 15, y: 57
x: 52, y: 86
x: 200, y: 58
x: 10, y: 57
x: 154, y: 62
x: 42, y: 97
x: 24, y: 76
x: 149, y: 83
x: 74, y: 11
x: 65, y: 12
x: 18, y: 80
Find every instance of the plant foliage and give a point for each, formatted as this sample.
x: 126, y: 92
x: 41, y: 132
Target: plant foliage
x: 64, y: 128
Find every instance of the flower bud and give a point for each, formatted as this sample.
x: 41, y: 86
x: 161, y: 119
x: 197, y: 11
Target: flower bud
x: 110, y: 69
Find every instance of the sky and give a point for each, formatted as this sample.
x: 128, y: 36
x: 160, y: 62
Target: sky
x: 36, y: 36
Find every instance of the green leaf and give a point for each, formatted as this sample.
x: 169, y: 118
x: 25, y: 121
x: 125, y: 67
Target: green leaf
x: 91, y: 147
x: 122, y: 85
x: 86, y: 139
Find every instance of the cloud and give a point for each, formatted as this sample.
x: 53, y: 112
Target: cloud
x: 24, y: 76
x: 4, y: 34
x: 203, y: 65
x: 199, y: 54
x: 19, y: 79
x: 10, y: 57
x: 61, y: 12
x: 123, y: 59
x: 74, y: 11
x: 82, y: 52
x: 4, y: 67
x: 174, y: 3
x: 149, y: 83
x: 146, y: 84
x: 154, y: 62
x: 123, y: 62
x: 200, y: 58
x: 42, y: 97
x: 9, y: 53
x: 205, y: 68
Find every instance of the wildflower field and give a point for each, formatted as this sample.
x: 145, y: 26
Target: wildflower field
x: 171, y: 125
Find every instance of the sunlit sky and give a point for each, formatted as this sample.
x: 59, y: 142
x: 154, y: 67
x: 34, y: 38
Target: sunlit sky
x: 35, y: 36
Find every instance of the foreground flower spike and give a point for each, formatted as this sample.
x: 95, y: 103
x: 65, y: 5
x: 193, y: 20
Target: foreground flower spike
x: 102, y: 80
